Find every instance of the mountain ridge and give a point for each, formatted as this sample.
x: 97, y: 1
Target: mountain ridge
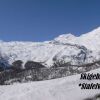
x: 89, y: 40
x: 67, y: 47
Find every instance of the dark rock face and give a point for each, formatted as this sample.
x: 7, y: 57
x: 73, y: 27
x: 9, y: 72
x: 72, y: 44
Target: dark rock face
x: 3, y: 63
x: 17, y: 65
x: 32, y: 64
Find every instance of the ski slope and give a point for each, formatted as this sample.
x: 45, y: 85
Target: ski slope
x: 58, y: 89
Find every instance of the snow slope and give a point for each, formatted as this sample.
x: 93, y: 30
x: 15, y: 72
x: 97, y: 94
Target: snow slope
x: 58, y: 89
x: 90, y: 40
x: 44, y: 52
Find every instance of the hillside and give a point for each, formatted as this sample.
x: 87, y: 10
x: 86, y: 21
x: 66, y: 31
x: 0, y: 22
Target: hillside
x: 58, y: 89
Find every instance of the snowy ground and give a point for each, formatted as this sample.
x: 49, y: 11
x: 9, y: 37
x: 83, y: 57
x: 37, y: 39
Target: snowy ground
x: 57, y: 89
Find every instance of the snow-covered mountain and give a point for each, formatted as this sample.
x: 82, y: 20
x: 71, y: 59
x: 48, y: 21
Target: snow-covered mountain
x: 90, y: 40
x: 44, y: 52
x: 78, y: 50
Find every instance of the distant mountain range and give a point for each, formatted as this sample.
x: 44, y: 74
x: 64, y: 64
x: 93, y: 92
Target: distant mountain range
x: 67, y: 47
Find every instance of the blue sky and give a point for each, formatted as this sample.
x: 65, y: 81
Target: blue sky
x: 40, y: 20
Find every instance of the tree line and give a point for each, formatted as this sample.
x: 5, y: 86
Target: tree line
x: 18, y: 71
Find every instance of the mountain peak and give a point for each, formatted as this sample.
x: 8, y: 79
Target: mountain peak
x: 90, y: 40
x: 65, y: 37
